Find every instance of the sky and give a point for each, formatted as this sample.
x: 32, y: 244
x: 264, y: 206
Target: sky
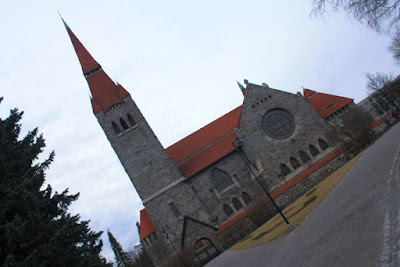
x: 180, y: 61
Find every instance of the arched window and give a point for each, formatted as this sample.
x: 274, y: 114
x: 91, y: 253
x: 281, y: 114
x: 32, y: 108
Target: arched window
x: 205, y: 250
x: 132, y: 122
x: 284, y: 169
x: 117, y: 130
x: 228, y: 210
x: 246, y: 198
x: 295, y: 164
x: 220, y: 179
x: 237, y: 204
x: 304, y: 157
x: 123, y: 123
x: 314, y: 151
x: 322, y: 144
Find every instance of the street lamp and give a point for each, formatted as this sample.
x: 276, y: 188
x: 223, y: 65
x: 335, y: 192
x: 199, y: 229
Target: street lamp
x: 242, y: 154
x: 172, y: 243
x: 282, y: 177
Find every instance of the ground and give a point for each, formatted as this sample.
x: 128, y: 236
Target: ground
x: 357, y: 224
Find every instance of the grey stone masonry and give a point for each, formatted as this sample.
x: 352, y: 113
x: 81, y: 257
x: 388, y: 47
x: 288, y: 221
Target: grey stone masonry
x: 270, y: 152
x: 147, y: 164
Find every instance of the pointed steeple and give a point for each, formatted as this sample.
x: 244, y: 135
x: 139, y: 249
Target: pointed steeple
x: 105, y: 93
x: 241, y: 88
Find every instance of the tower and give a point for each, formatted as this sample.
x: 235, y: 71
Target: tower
x: 166, y: 194
x: 140, y: 152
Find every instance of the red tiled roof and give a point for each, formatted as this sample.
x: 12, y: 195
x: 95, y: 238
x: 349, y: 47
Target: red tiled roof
x: 308, y: 92
x: 105, y: 93
x: 122, y: 92
x: 87, y: 61
x: 207, y: 145
x: 326, y: 104
x: 146, y: 225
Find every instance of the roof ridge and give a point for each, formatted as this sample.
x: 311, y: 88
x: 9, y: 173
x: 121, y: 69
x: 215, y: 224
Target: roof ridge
x: 205, y: 126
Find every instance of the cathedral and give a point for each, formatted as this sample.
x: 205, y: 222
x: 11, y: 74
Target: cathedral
x: 205, y: 192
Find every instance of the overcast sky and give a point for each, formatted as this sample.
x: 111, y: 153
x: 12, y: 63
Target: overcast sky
x: 180, y: 61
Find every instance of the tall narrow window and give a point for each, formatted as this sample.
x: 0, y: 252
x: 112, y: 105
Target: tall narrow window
x: 322, y: 144
x: 228, y: 210
x: 284, y: 169
x: 304, y: 157
x: 117, y: 130
x: 123, y: 124
x: 295, y: 164
x: 237, y: 204
x: 314, y: 151
x: 246, y: 198
x: 132, y: 122
x: 220, y: 179
x: 174, y: 209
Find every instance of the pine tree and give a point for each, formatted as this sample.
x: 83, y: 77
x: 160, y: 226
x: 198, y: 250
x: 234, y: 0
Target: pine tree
x: 35, y: 226
x: 121, y: 257
x: 138, y: 228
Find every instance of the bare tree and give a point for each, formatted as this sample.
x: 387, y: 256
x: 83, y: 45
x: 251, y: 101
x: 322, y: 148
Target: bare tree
x: 384, y: 85
x: 394, y: 48
x: 355, y: 126
x: 382, y: 16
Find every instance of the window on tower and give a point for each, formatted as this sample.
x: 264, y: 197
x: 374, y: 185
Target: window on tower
x: 174, y: 209
x: 132, y: 122
x: 117, y: 130
x: 123, y: 124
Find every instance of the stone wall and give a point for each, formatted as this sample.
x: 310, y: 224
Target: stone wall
x: 270, y: 153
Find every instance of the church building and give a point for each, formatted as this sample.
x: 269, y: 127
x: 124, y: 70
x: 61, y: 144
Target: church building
x: 205, y: 192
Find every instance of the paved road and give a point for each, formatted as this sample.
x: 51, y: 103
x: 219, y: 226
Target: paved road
x: 357, y: 224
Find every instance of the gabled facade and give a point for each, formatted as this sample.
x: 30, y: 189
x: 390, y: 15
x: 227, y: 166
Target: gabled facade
x: 200, y: 194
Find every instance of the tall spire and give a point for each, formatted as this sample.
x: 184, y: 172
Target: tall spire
x: 105, y: 93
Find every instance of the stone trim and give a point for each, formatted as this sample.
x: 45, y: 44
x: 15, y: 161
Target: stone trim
x: 159, y: 192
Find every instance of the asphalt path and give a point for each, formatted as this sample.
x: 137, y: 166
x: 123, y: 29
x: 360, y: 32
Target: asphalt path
x: 357, y: 224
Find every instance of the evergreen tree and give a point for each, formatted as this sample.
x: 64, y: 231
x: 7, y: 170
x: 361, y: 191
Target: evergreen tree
x: 138, y: 228
x: 121, y: 257
x: 35, y: 226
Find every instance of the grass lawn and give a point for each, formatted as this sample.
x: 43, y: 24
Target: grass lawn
x: 296, y: 212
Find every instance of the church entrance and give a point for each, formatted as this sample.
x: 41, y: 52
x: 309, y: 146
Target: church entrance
x: 205, y: 250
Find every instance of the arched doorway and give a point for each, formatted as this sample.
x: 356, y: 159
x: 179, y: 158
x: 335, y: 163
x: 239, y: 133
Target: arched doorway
x: 205, y: 250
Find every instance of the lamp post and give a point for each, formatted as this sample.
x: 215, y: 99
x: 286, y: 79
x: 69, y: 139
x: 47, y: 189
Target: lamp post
x: 282, y: 177
x: 261, y: 184
x: 172, y: 243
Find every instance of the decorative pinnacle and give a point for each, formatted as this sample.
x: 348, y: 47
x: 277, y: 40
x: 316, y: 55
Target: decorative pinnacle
x: 65, y: 24
x: 240, y: 86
